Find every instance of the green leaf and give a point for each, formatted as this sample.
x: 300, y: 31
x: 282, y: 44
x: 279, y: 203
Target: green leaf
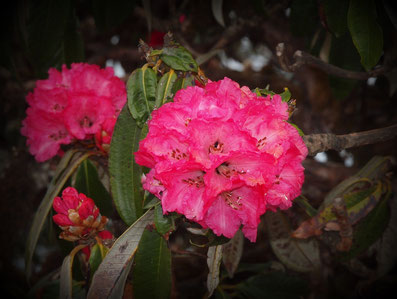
x: 297, y: 255
x: 66, y: 279
x: 109, y: 14
x: 164, y: 88
x: 375, y: 169
x: 88, y: 182
x: 163, y: 223
x: 152, y: 271
x: 369, y: 229
x: 182, y: 83
x: 285, y: 95
x: 336, y: 13
x: 111, y: 270
x: 274, y: 285
x: 125, y: 174
x: 69, y: 163
x: 141, y: 92
x: 214, y: 258
x: 303, y: 202
x: 46, y: 28
x: 358, y: 204
x: 178, y: 58
x: 366, y: 33
x: 98, y: 253
x: 216, y: 6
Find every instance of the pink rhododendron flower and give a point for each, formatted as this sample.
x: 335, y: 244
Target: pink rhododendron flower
x: 78, y: 216
x: 80, y: 103
x: 222, y: 156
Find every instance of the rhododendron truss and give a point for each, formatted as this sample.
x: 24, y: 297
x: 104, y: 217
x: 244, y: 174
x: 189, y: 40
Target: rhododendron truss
x: 80, y: 103
x: 78, y: 217
x: 222, y: 156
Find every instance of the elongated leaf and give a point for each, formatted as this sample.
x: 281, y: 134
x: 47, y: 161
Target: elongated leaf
x: 297, y: 255
x: 232, y: 252
x: 164, y: 89
x: 182, y: 83
x: 178, y: 58
x: 375, y: 169
x: 358, y: 204
x: 366, y: 33
x: 125, y: 174
x: 214, y: 258
x: 66, y: 280
x: 386, y: 250
x: 118, y: 258
x: 369, y: 229
x: 141, y: 92
x: 98, y: 253
x: 162, y: 222
x: 118, y: 290
x: 152, y: 270
x: 88, y: 182
x: 216, y: 6
x: 69, y: 163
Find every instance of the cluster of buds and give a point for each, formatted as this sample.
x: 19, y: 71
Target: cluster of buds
x: 78, y: 216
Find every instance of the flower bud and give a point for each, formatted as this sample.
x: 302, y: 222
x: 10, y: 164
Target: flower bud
x: 78, y: 216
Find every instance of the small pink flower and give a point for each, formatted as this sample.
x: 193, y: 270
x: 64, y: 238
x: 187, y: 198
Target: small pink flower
x: 78, y: 216
x: 75, y: 104
x: 222, y: 156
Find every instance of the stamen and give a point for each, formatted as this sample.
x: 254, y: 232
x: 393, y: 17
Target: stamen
x: 231, y: 201
x: 216, y: 148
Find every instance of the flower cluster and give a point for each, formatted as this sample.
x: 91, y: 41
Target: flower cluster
x: 222, y: 156
x: 79, y: 103
x: 78, y: 216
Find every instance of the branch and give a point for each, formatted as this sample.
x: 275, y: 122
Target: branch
x: 322, y: 142
x: 303, y: 58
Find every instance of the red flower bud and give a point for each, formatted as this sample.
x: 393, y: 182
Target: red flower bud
x: 78, y: 216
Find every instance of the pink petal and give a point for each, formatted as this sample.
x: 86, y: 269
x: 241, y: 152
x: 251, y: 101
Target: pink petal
x: 185, y: 190
x: 86, y: 113
x: 222, y: 219
x: 70, y: 198
x: 62, y: 220
x: 59, y: 206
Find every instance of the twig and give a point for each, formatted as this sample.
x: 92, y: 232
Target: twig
x: 303, y: 58
x: 322, y: 142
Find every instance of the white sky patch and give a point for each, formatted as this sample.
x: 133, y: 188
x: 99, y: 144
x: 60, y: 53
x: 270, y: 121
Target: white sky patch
x: 114, y: 40
x: 347, y: 157
x: 287, y: 12
x: 371, y: 81
x: 321, y: 157
x: 118, y: 68
x: 231, y: 63
x: 247, y: 55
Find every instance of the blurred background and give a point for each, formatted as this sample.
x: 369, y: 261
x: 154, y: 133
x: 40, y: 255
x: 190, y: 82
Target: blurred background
x: 235, y: 39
